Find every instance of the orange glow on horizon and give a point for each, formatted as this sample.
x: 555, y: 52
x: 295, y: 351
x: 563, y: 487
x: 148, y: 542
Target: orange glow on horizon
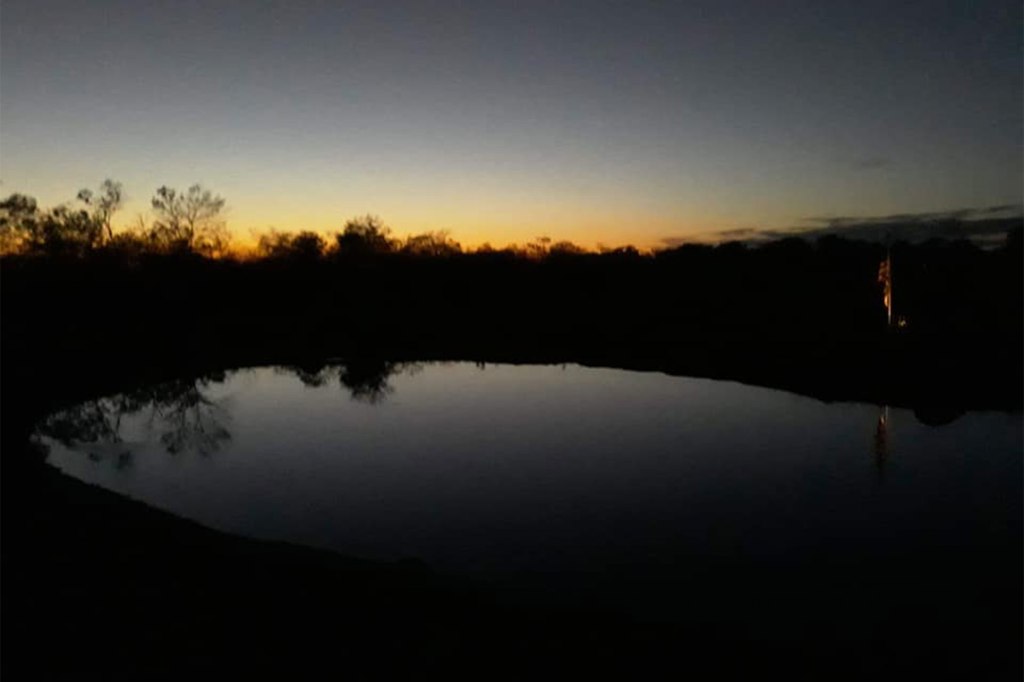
x: 510, y: 230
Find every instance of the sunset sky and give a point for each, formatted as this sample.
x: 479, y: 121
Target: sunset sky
x: 614, y: 122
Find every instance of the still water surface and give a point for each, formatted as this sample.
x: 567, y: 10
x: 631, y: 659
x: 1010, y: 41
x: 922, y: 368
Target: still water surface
x: 627, y: 488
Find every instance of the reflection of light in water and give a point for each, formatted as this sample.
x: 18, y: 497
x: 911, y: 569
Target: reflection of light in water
x: 882, y: 436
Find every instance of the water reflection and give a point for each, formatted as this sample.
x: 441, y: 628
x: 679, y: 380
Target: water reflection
x: 882, y: 438
x: 179, y: 414
x: 366, y: 380
x: 182, y: 415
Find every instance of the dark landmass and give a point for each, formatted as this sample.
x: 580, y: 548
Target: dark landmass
x: 99, y: 587
x: 789, y: 314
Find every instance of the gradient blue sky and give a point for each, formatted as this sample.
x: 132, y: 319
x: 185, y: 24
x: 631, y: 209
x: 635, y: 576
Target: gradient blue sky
x: 594, y: 121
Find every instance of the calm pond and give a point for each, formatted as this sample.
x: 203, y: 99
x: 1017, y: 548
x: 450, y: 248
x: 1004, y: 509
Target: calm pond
x: 653, y: 495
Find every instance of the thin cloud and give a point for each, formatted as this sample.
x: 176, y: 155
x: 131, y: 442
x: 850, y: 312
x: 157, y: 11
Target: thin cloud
x: 735, y: 234
x: 984, y: 225
x: 964, y: 214
x: 738, y: 233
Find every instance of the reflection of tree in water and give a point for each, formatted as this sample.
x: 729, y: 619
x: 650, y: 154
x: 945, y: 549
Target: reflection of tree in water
x: 179, y: 411
x: 96, y: 421
x: 188, y: 420
x: 367, y: 380
x: 314, y: 377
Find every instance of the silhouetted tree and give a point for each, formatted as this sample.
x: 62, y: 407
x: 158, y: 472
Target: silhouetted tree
x: 19, y: 216
x: 308, y: 245
x: 189, y: 221
x: 565, y: 248
x: 364, y: 236
x: 538, y: 248
x: 431, y: 244
x: 302, y: 246
x: 63, y: 231
x: 104, y: 204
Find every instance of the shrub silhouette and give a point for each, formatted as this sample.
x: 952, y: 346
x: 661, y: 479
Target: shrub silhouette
x: 366, y: 236
x: 305, y: 246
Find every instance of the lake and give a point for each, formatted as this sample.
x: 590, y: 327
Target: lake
x: 651, y: 496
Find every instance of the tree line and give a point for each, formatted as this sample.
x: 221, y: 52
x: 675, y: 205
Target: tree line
x: 183, y: 221
x: 192, y: 222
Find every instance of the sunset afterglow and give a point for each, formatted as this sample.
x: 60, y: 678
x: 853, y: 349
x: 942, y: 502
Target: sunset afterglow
x: 593, y: 122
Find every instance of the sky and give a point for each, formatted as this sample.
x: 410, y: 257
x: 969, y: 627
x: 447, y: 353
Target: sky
x: 599, y: 122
